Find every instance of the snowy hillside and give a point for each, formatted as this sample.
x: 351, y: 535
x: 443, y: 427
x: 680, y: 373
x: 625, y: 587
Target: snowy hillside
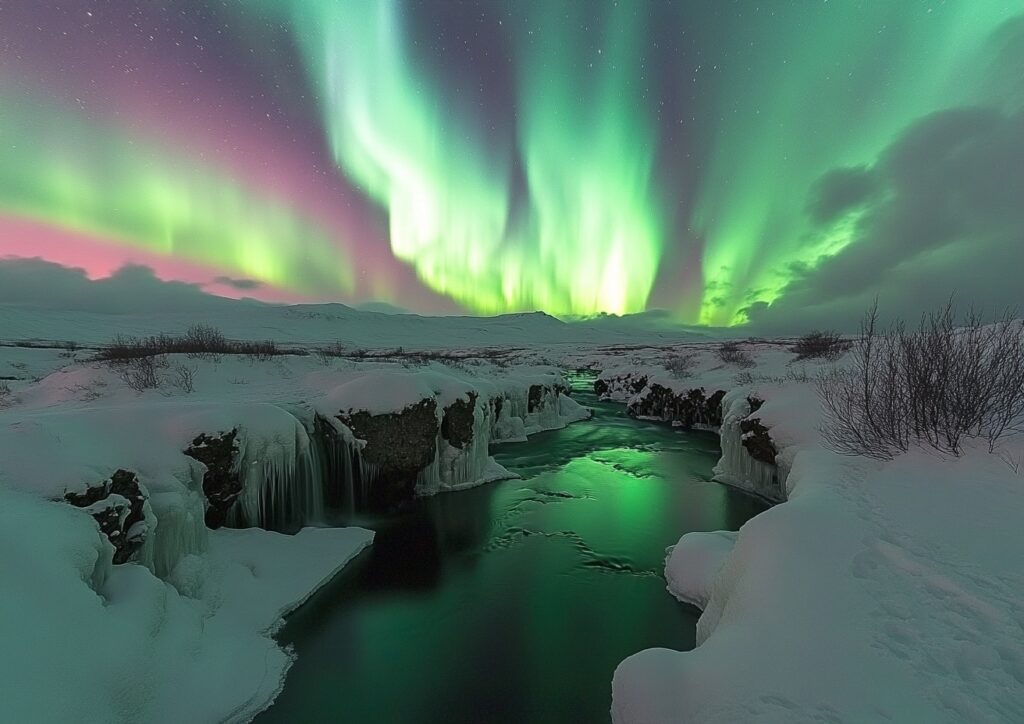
x: 317, y: 324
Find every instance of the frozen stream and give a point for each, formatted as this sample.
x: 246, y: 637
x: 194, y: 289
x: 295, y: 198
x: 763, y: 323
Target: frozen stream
x: 515, y: 601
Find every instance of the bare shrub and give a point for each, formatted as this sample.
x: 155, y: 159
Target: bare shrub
x: 820, y: 345
x: 792, y: 375
x: 256, y: 351
x: 681, y: 365
x: 124, y: 347
x: 731, y: 354
x: 183, y: 378
x: 201, y: 341
x: 140, y: 373
x: 938, y: 385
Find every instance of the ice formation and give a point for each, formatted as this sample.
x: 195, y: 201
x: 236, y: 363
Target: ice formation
x: 736, y: 466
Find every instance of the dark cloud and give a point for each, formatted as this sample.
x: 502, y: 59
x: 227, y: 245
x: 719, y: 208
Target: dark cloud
x: 240, y: 284
x: 132, y: 289
x: 840, y: 191
x: 944, y: 213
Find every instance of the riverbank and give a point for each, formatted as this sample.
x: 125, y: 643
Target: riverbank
x: 879, y: 591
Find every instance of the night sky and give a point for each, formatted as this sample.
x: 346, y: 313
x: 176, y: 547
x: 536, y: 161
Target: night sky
x: 776, y: 162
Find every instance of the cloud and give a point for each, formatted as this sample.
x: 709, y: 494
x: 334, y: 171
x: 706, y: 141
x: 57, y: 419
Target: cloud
x: 240, y: 284
x: 941, y: 210
x: 839, y: 192
x: 131, y: 290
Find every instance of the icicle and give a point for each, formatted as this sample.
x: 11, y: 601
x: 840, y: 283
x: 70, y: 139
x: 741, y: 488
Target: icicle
x: 454, y: 468
x: 736, y: 467
x: 338, y: 451
x: 177, y: 529
x: 282, y: 483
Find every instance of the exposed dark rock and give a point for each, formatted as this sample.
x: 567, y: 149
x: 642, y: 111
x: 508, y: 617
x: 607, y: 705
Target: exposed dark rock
x: 398, y: 446
x: 622, y: 383
x: 498, y: 403
x: 535, y: 398
x: 686, y: 409
x: 117, y: 519
x: 757, y: 441
x: 755, y: 404
x: 221, y: 482
x: 713, y: 408
x: 457, y: 422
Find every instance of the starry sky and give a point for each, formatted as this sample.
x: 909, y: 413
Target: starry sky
x: 730, y: 161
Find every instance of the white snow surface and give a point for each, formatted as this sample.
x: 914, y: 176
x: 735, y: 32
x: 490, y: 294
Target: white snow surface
x: 87, y: 641
x: 693, y: 564
x: 878, y: 592
x: 185, y: 634
x: 304, y: 324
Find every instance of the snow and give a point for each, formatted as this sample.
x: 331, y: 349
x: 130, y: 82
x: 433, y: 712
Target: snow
x: 317, y: 324
x: 186, y: 632
x: 876, y: 592
x: 87, y: 641
x: 692, y: 566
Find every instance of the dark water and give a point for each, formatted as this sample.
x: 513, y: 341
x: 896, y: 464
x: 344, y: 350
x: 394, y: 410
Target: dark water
x: 515, y: 601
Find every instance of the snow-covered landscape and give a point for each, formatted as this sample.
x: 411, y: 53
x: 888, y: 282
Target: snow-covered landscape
x: 871, y: 590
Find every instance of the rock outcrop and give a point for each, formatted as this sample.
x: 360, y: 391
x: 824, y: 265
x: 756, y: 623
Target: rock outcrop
x: 221, y: 481
x: 689, y: 409
x: 757, y: 441
x: 457, y: 421
x: 748, y: 452
x: 398, y: 446
x: 620, y: 386
x: 119, y: 507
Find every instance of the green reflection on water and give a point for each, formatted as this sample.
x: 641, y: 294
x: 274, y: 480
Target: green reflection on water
x: 514, y: 602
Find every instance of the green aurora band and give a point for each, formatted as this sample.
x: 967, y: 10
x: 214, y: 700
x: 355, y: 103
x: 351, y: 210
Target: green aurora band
x: 590, y: 237
x: 813, y: 87
x: 135, y: 192
x: 580, y: 198
x: 801, y: 89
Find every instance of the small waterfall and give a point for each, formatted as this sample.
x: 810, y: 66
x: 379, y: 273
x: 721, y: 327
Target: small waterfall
x: 282, y: 482
x: 345, y: 474
x: 291, y: 479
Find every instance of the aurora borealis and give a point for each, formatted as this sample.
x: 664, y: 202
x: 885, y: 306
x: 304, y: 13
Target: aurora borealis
x: 716, y: 159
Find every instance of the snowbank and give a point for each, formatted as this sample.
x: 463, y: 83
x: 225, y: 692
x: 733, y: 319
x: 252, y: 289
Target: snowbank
x: 87, y: 641
x: 877, y: 592
x: 693, y: 564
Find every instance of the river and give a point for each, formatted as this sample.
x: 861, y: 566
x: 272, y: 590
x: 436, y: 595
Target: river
x: 514, y: 601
